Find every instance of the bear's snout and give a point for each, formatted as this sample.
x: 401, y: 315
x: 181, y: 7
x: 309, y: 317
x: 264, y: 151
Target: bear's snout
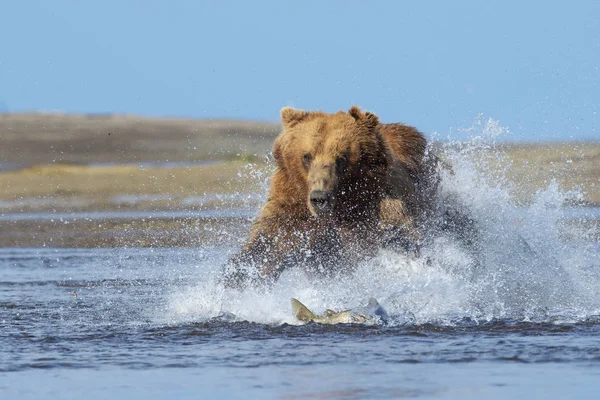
x: 321, y: 201
x: 322, y: 185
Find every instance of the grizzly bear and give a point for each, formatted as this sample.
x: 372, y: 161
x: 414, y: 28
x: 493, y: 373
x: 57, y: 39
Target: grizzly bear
x: 344, y: 185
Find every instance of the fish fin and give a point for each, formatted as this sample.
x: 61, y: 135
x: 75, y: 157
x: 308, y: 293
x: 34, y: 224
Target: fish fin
x: 301, y: 312
x: 377, y: 309
x: 373, y: 302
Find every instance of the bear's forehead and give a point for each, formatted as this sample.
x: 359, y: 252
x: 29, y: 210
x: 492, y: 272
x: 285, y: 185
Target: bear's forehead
x: 322, y: 133
x: 328, y: 124
x: 329, y: 141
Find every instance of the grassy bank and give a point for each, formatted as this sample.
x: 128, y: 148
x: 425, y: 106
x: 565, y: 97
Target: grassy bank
x: 84, y: 188
x: 525, y: 169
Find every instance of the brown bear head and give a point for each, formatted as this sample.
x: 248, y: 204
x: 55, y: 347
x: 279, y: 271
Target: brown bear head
x: 334, y: 162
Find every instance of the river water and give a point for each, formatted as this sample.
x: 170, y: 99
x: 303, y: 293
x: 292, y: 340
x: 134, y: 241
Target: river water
x: 145, y: 323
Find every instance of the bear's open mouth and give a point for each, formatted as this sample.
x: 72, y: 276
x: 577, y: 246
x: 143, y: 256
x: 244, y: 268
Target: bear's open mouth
x: 321, y: 201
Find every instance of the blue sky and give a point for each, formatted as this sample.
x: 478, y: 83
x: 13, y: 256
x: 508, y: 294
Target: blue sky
x: 437, y: 65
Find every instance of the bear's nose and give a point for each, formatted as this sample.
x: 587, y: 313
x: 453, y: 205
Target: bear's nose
x: 320, y: 199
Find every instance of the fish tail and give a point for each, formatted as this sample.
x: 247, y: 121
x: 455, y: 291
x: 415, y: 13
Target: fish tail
x: 301, y: 312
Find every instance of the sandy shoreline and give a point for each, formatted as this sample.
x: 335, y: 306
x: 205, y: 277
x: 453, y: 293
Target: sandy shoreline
x: 121, y: 232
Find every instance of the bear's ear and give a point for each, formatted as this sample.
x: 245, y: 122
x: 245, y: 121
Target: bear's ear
x: 367, y: 118
x: 291, y: 116
x: 355, y: 112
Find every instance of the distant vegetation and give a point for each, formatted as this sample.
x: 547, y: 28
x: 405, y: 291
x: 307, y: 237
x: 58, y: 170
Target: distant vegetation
x: 98, y: 157
x: 32, y: 139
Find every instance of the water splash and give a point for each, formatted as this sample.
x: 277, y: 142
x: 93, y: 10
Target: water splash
x: 524, y: 268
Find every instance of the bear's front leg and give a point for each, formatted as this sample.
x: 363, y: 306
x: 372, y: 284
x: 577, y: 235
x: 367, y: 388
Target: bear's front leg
x: 275, y: 242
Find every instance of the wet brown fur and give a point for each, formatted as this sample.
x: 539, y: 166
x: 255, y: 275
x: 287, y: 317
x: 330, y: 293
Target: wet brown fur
x: 377, y: 184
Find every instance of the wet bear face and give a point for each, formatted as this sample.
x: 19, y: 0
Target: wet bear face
x: 332, y: 158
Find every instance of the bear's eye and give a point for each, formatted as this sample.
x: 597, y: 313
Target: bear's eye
x: 306, y: 159
x: 341, y: 163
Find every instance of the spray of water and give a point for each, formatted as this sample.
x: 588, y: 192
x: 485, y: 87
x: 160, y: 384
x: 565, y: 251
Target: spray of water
x: 523, y: 268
